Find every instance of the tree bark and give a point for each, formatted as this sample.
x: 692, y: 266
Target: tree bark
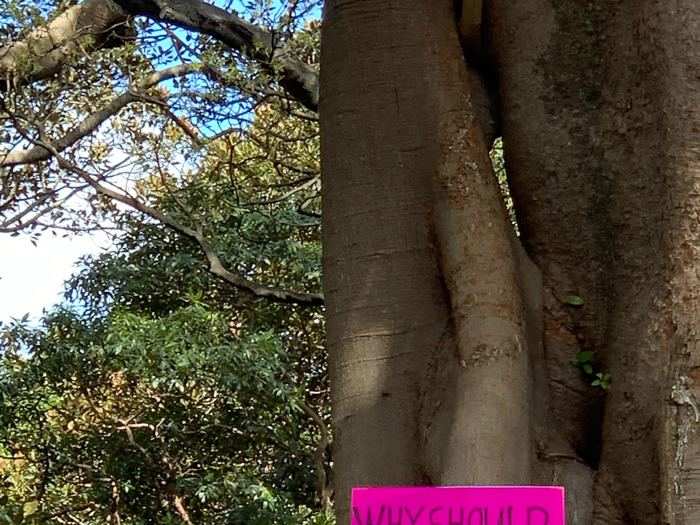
x: 600, y: 132
x: 427, y: 331
x: 444, y: 368
x: 45, y: 50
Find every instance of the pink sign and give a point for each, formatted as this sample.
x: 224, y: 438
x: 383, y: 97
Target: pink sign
x: 458, y: 506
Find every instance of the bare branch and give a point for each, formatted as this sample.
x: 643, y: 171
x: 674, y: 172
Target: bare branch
x: 322, y: 486
x: 216, y: 266
x: 44, y: 51
x: 187, y: 128
x: 180, y: 507
x: 93, y: 24
x: 299, y: 79
x: 19, y: 222
x: 94, y: 120
x: 290, y: 193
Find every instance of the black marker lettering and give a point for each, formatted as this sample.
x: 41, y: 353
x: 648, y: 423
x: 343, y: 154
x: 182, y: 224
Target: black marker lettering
x: 370, y: 519
x: 501, y: 517
x: 453, y: 521
x: 390, y: 521
x: 433, y: 511
x: 414, y: 519
x: 544, y: 516
x: 472, y: 514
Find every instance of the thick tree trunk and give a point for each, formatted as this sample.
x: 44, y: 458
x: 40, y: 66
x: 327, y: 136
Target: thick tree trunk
x: 427, y: 330
x: 434, y: 318
x: 600, y: 130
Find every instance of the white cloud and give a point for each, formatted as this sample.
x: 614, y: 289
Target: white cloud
x: 32, y: 277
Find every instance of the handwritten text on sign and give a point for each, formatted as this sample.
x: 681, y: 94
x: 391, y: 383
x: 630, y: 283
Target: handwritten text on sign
x: 458, y: 506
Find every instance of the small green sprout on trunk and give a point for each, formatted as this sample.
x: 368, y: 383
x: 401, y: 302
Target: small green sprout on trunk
x: 586, y: 363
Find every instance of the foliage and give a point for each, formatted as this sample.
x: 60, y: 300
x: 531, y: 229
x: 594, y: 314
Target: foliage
x: 124, y: 415
x: 586, y: 363
x: 163, y: 127
x: 158, y: 392
x: 246, y: 199
x: 163, y: 384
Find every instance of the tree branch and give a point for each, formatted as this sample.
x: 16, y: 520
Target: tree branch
x: 94, y: 120
x: 18, y: 222
x: 216, y: 266
x: 181, y: 510
x: 95, y: 23
x: 322, y: 485
x: 299, y: 79
x: 44, y: 51
x: 288, y: 194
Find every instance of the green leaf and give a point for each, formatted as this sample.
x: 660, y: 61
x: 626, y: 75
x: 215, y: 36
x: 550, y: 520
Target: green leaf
x: 584, y: 357
x: 30, y: 507
x: 587, y: 368
x: 573, y: 300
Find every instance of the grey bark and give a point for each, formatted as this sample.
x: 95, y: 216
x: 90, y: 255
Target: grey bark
x: 427, y: 332
x: 599, y: 114
x: 45, y: 50
x: 599, y: 106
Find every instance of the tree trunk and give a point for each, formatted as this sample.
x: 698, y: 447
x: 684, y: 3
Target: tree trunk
x: 450, y: 358
x: 427, y: 328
